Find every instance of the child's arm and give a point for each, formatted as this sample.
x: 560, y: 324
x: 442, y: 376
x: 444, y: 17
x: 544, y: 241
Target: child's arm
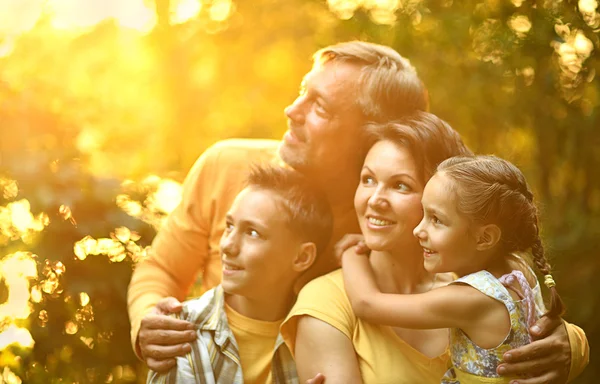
x: 457, y: 306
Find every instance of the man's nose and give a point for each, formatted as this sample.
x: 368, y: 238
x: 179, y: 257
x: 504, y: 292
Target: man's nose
x: 295, y: 111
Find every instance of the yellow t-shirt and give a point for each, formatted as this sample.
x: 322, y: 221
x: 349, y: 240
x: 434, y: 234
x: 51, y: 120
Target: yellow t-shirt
x: 383, y: 357
x: 256, y: 343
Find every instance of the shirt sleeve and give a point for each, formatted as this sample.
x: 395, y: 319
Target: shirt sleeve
x: 182, y: 373
x: 180, y: 249
x: 323, y: 298
x: 580, y: 350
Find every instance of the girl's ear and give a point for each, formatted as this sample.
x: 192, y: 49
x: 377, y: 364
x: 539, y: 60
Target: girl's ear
x: 306, y: 256
x: 488, y: 236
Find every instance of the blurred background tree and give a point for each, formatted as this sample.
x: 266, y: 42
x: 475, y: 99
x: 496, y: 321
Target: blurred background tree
x: 104, y: 106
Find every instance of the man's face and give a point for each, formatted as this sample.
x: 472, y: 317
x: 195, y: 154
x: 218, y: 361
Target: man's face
x: 258, y: 247
x: 324, y: 122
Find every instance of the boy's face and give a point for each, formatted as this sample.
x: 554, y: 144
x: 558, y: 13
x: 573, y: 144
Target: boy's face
x: 258, y: 247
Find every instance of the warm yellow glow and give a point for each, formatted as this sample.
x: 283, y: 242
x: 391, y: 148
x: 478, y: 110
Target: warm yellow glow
x: 10, y: 188
x: 344, y: 9
x: 88, y: 341
x: 220, y: 10
x: 43, y: 317
x: 66, y: 213
x: 17, y: 269
x: 123, y: 234
x: 163, y: 197
x: 103, y: 246
x: 80, y: 15
x: 583, y: 45
x: 36, y: 294
x: 520, y: 24
x: 184, y: 10
x: 588, y: 6
x: 381, y: 11
x: 71, y: 328
x: 84, y: 299
x: 136, y: 15
x: 18, y: 16
x: 167, y: 196
x: 21, y: 216
x: 15, y: 335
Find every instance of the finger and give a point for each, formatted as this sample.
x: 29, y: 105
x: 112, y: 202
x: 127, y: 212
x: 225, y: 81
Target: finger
x: 546, y: 378
x: 169, y: 305
x: 161, y: 366
x: 166, y: 323
x: 318, y: 379
x: 165, y: 352
x: 346, y: 242
x: 528, y: 367
x: 534, y: 350
x: 362, y: 249
x: 544, y: 326
x: 166, y: 337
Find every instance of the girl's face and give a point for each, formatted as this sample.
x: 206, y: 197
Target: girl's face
x: 447, y: 236
x: 387, y: 200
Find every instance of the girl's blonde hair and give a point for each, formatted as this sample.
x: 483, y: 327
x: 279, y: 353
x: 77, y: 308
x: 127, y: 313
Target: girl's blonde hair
x: 491, y: 190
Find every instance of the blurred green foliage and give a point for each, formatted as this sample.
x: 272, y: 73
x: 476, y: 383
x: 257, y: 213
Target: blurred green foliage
x: 80, y: 112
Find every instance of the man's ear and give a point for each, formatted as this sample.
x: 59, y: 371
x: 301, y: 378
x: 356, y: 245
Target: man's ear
x: 488, y: 236
x: 307, y: 254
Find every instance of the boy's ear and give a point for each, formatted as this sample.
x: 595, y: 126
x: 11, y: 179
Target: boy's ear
x: 488, y: 236
x: 306, y: 256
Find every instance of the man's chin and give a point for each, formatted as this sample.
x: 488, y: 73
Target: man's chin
x: 291, y: 157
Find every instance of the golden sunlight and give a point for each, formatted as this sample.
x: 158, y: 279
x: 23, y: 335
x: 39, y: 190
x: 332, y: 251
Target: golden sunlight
x: 184, y: 10
x: 18, y: 221
x: 588, y: 5
x: 15, y: 335
x: 17, y: 269
x: 79, y: 15
x: 84, y: 299
x: 167, y: 196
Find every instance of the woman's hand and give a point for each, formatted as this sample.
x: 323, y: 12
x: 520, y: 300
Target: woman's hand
x: 349, y: 241
x: 162, y: 338
x: 546, y: 360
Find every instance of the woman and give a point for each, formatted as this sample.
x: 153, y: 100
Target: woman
x: 387, y: 201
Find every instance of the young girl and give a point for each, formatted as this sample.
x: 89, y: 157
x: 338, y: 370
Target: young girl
x: 478, y: 213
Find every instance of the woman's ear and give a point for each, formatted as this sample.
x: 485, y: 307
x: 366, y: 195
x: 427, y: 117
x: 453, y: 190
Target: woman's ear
x: 306, y: 256
x: 488, y: 236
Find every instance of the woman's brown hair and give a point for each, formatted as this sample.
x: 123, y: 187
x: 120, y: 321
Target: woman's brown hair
x: 429, y: 139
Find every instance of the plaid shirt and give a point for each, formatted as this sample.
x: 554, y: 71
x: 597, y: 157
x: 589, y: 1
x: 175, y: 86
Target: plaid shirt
x: 214, y: 358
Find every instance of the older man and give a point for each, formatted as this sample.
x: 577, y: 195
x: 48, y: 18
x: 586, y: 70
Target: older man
x: 350, y: 83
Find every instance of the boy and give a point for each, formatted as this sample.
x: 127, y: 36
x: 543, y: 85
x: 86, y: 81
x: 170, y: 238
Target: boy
x: 274, y: 230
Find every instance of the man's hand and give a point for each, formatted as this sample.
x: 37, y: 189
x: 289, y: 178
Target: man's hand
x: 348, y: 241
x: 162, y: 337
x: 546, y: 360
x: 318, y: 379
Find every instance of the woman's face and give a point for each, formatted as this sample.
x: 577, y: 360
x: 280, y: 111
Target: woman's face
x: 388, y: 197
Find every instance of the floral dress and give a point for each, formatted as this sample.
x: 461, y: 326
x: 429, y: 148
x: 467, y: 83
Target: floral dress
x: 473, y: 364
